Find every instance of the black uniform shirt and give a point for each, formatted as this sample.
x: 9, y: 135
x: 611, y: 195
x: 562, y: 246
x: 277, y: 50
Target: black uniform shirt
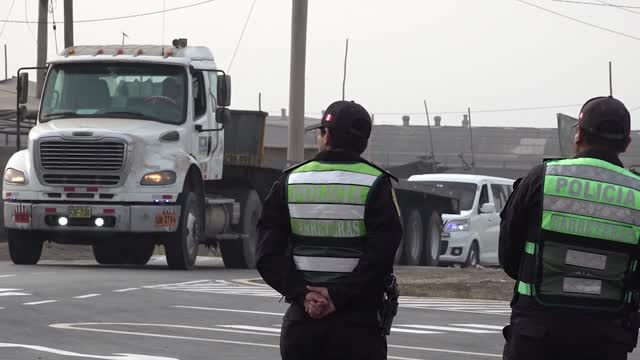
x: 360, y: 291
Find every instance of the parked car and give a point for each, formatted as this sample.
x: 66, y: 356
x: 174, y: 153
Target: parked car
x: 470, y: 237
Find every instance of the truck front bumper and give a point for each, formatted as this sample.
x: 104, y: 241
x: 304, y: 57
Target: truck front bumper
x: 91, y: 217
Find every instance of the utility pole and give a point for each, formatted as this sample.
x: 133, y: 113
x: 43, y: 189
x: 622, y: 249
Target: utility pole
x: 473, y: 160
x: 426, y: 110
x: 43, y: 11
x: 6, y: 70
x: 295, y: 150
x: 344, y: 78
x: 68, y: 23
x: 610, y: 80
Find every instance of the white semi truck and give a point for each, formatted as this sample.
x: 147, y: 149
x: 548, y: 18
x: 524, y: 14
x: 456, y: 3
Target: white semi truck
x: 134, y: 147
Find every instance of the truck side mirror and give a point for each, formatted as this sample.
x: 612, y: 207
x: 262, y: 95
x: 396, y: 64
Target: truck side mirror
x: 23, y: 88
x: 224, y: 90
x: 223, y: 115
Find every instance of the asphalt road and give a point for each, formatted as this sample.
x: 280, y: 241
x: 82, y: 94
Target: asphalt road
x: 79, y: 310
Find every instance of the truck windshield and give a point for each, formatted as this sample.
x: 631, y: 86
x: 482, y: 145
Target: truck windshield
x: 466, y: 191
x: 116, y: 90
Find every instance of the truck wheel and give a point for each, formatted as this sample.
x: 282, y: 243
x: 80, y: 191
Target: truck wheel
x: 25, y: 247
x: 473, y: 258
x: 432, y: 239
x: 241, y: 253
x: 108, y: 253
x: 139, y: 252
x: 413, y: 238
x: 182, y: 246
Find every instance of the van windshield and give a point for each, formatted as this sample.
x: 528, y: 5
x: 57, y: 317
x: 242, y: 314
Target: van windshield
x: 466, y: 191
x: 116, y: 90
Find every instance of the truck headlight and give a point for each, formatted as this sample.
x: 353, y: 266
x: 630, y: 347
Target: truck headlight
x: 457, y: 225
x: 13, y: 176
x: 166, y: 177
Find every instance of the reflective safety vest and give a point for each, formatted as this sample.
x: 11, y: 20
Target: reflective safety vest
x: 588, y: 245
x: 327, y: 204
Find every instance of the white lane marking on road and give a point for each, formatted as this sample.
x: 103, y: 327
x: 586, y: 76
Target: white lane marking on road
x: 227, y: 310
x: 481, y: 326
x: 82, y: 327
x: 86, y: 296
x: 6, y: 276
x: 252, y: 282
x: 411, y: 331
x: 460, y: 352
x: 125, y: 290
x: 176, y: 284
x: 247, y: 327
x: 10, y: 293
x: 449, y: 328
x: 86, y: 356
x: 217, y: 329
x: 77, y: 326
x: 40, y: 302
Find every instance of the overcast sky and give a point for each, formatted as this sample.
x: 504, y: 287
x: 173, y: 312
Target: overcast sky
x: 489, y: 54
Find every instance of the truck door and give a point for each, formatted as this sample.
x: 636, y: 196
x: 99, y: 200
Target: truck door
x: 203, y: 142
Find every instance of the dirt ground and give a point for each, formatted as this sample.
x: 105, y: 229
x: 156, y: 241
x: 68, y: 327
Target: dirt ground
x: 478, y: 283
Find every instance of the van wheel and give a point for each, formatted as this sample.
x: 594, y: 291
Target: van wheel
x: 241, y: 253
x: 473, y: 258
x: 413, y: 238
x: 25, y: 247
x: 432, y: 240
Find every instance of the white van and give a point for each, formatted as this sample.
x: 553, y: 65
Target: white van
x: 471, y: 237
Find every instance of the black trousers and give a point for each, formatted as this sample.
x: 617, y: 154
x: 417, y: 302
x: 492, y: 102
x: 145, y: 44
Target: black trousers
x: 333, y: 338
x: 526, y: 341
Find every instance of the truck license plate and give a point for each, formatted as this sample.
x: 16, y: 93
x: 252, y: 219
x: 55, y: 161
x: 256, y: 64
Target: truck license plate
x: 79, y: 213
x: 166, y: 219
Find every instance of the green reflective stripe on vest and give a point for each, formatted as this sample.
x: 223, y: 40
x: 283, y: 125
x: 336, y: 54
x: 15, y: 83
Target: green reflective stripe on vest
x: 328, y: 228
x: 525, y: 288
x: 593, y: 191
x: 530, y: 248
x: 317, y: 166
x: 328, y: 194
x: 326, y: 211
x: 591, y: 209
x: 595, y: 163
x: 590, y: 227
x: 594, y: 173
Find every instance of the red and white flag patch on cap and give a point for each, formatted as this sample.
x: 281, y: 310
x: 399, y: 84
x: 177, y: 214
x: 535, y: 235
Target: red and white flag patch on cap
x: 328, y: 117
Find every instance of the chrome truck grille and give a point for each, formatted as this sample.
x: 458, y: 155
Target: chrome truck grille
x: 99, y: 163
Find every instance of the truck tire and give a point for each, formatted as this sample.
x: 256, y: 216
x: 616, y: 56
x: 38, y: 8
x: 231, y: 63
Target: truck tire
x: 473, y: 258
x: 108, y: 253
x: 241, y: 253
x: 25, y: 247
x: 432, y: 238
x: 139, y: 252
x: 413, y: 238
x: 399, y: 258
x: 182, y: 246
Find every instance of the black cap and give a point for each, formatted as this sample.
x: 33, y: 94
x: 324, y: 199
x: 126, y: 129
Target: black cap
x: 346, y: 116
x: 605, y: 117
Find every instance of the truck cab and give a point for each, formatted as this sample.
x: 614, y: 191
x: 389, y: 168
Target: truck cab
x: 127, y: 153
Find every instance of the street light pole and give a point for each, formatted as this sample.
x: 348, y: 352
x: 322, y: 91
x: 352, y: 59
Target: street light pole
x: 295, y: 150
x: 43, y: 12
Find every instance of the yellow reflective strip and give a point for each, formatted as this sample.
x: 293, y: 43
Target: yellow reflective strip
x: 530, y: 248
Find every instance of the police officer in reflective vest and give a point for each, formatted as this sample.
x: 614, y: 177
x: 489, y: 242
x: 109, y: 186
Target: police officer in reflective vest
x: 569, y: 237
x: 327, y: 238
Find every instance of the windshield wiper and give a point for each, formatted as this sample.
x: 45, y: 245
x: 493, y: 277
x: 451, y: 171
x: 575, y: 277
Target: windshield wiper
x: 61, y: 114
x: 131, y: 114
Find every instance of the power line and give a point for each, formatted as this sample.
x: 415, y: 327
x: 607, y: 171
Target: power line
x: 241, y: 36
x: 116, y: 17
x: 596, y: 4
x: 26, y: 17
x: 634, y: 109
x: 8, y: 14
x: 604, y: 3
x: 580, y: 21
x: 487, y: 110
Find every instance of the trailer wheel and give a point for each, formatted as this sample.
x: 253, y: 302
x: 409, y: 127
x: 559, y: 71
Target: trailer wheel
x: 432, y: 239
x: 25, y: 247
x: 241, y: 253
x: 413, y: 238
x: 139, y: 252
x: 182, y: 246
x: 108, y: 253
